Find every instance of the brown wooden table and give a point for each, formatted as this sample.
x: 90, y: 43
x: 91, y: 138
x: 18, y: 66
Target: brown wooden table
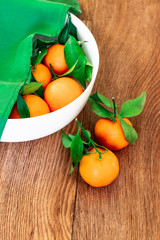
x: 39, y: 200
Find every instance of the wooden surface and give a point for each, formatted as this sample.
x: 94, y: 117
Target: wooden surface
x: 39, y: 200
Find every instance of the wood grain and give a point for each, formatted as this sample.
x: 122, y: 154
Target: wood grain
x: 38, y: 195
x: 128, y: 36
x: 39, y: 200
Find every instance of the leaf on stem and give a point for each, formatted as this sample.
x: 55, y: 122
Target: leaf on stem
x: 88, y: 70
x: 88, y: 73
x: 76, y: 149
x: 71, y: 136
x: 100, y: 98
x: 43, y: 44
x: 53, y: 73
x: 86, y: 133
x: 99, y: 109
x: 69, y: 29
x: 71, y: 169
x: 64, y: 34
x: 69, y: 72
x: 73, y: 52
x: 129, y: 132
x: 40, y: 91
x: 22, y: 107
x: 133, y: 107
x: 66, y: 140
x: 32, y: 87
x: 73, y: 29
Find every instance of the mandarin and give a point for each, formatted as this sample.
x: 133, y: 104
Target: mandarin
x: 61, y: 92
x: 55, y: 56
x: 42, y: 74
x: 36, y: 105
x: 99, y: 172
x: 110, y: 134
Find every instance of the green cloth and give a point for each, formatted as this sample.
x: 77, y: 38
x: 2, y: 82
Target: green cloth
x: 20, y: 20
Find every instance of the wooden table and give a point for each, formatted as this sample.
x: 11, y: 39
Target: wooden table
x: 39, y: 200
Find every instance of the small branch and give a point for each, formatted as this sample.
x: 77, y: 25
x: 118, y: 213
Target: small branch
x: 115, y: 109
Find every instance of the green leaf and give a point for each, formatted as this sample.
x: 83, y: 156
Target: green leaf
x: 99, y: 109
x: 40, y: 91
x: 69, y: 29
x: 66, y: 140
x: 86, y: 133
x: 69, y: 72
x: 22, y: 107
x: 88, y: 63
x: 64, y: 34
x: 39, y: 56
x: 71, y: 136
x: 133, y: 107
x: 80, y: 75
x: 100, y: 98
x: 32, y: 87
x: 72, y: 169
x: 88, y: 70
x: 73, y: 29
x: 76, y: 149
x: 88, y: 73
x: 129, y: 132
x: 73, y: 52
x: 53, y: 73
x: 40, y: 44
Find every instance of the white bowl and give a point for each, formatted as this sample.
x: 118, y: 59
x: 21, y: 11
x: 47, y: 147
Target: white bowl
x: 19, y: 130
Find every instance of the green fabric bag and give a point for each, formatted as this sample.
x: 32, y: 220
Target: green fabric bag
x: 20, y: 20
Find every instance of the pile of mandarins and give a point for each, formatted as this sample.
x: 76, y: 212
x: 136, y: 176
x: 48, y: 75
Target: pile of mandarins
x: 57, y: 93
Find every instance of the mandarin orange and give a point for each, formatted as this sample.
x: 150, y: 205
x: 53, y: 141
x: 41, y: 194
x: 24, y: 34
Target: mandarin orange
x: 99, y: 172
x: 61, y: 92
x: 36, y: 105
x: 55, y: 56
x: 110, y: 134
x: 42, y: 74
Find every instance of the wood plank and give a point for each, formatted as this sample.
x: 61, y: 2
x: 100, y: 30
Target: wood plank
x: 128, y: 36
x: 37, y: 193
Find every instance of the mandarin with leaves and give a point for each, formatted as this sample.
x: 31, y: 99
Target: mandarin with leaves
x: 110, y: 134
x: 114, y: 130
x: 98, y: 166
x: 36, y: 105
x: 56, y: 58
x: 99, y: 172
x: 42, y: 74
x: 61, y: 92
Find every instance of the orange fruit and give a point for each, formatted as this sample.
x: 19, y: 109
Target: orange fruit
x: 61, y: 92
x: 41, y: 74
x: 14, y: 113
x: 99, y: 172
x: 55, y: 56
x: 37, y: 106
x: 110, y: 134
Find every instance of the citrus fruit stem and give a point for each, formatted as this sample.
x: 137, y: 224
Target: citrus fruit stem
x: 94, y: 144
x: 100, y: 154
x: 115, y: 110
